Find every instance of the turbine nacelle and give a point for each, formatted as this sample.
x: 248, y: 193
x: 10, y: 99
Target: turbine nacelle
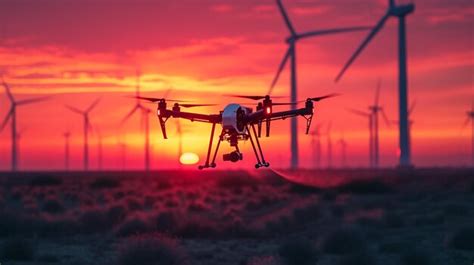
x: 401, y: 10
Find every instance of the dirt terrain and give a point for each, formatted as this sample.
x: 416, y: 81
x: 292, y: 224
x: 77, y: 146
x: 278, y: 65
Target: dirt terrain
x: 253, y: 217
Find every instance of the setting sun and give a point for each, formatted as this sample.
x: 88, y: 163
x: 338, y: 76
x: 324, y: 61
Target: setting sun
x: 189, y: 159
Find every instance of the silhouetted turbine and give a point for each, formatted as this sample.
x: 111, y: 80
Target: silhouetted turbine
x: 291, y: 55
x: 11, y: 115
x: 87, y: 127
x: 399, y: 11
x: 145, y: 112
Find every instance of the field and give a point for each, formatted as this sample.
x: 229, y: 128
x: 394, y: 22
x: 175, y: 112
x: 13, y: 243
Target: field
x: 253, y: 217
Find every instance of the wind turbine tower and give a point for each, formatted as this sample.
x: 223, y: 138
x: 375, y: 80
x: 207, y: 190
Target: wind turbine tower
x: 400, y: 12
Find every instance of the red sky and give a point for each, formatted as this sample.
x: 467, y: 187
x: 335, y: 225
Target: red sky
x: 79, y: 50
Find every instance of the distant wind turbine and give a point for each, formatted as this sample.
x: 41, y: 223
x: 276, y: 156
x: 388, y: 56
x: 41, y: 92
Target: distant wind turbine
x: 400, y: 12
x: 145, y: 112
x: 470, y: 118
x: 11, y: 115
x: 87, y: 127
x: 291, y: 55
x: 316, y: 144
x: 371, y: 133
x: 67, y: 136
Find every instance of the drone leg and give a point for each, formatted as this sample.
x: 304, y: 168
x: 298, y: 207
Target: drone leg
x: 259, y: 163
x: 213, y: 163
x: 308, y: 123
x: 266, y: 164
x: 206, y: 165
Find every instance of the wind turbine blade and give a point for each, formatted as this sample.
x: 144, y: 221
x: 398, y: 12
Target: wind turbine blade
x: 384, y: 116
x: 369, y: 37
x: 129, y: 114
x: 377, y: 93
x: 285, y: 17
x: 7, y: 118
x: 280, y: 69
x: 75, y: 110
x: 331, y: 31
x: 31, y: 100
x: 9, y: 93
x: 358, y: 112
x: 93, y: 105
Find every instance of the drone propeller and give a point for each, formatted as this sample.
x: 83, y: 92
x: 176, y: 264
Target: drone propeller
x: 158, y: 99
x: 316, y: 99
x: 196, y: 105
x: 284, y: 104
x: 252, y: 97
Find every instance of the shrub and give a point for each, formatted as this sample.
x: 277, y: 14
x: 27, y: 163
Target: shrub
x: 116, y: 214
x: 105, y: 183
x: 53, y: 207
x: 365, y: 187
x: 45, y: 180
x: 463, y: 239
x: 151, y: 250
x: 94, y: 221
x: 18, y: 249
x: 133, y: 226
x: 344, y: 241
x: 415, y: 257
x: 298, y: 251
x: 166, y: 222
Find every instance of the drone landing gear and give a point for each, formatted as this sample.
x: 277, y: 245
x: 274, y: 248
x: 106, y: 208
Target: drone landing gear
x: 259, y: 155
x: 213, y: 163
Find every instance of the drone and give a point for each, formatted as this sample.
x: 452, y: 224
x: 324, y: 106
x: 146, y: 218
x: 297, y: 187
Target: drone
x: 238, y: 122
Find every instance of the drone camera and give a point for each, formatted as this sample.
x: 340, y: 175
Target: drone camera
x: 233, y: 156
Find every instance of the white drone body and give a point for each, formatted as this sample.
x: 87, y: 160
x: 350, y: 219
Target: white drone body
x: 232, y: 118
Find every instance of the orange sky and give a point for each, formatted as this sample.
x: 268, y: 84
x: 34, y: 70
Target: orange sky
x: 79, y: 50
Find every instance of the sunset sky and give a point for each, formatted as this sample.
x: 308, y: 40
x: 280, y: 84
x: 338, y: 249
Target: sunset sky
x: 78, y: 50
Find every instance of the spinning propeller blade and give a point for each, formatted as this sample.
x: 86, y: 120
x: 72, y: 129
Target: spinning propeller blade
x: 316, y: 99
x: 196, y: 105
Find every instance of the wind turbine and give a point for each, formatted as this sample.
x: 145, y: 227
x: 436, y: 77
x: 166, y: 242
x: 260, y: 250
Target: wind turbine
x: 316, y: 144
x: 399, y: 11
x: 87, y: 127
x: 145, y: 112
x: 343, y: 143
x: 290, y: 54
x: 12, y: 115
x: 470, y: 117
x: 67, y: 136
x: 371, y: 133
x: 375, y: 110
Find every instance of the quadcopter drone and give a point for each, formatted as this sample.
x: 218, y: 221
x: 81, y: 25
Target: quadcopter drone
x: 238, y: 123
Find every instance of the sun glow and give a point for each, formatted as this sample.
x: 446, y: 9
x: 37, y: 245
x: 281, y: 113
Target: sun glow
x: 189, y: 159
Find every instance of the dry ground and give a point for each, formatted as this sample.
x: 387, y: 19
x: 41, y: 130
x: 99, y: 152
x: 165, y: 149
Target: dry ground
x: 257, y: 217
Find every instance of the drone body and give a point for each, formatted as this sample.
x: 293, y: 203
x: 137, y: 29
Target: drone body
x: 238, y: 123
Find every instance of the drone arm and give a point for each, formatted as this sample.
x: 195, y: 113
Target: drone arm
x: 212, y: 118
